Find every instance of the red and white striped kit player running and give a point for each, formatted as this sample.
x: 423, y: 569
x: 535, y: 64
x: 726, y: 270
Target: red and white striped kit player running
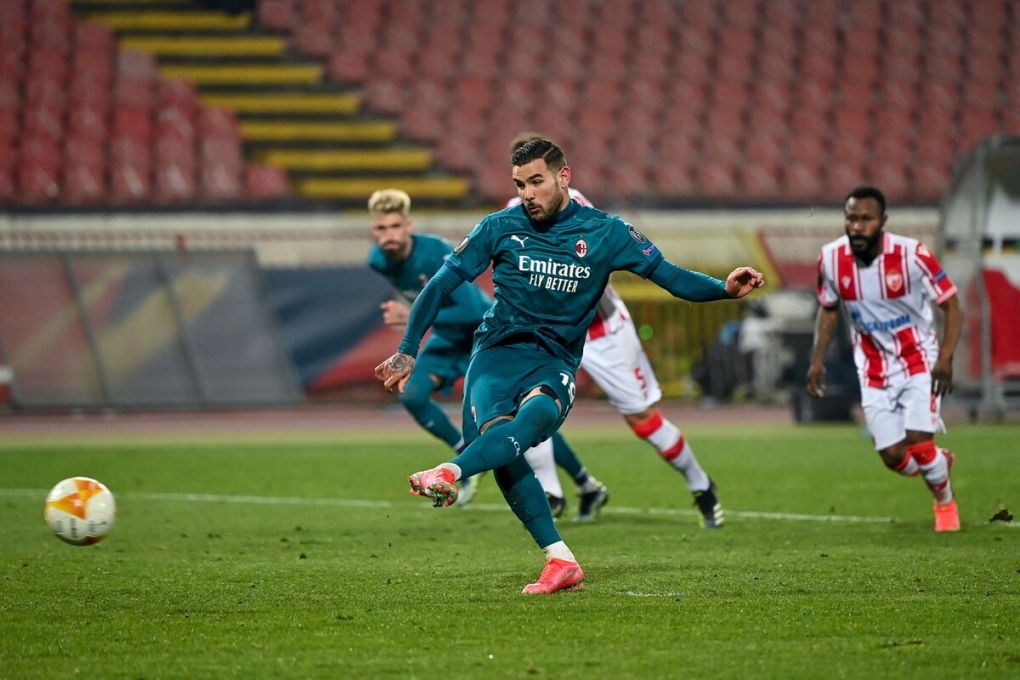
x: 886, y: 284
x: 616, y: 361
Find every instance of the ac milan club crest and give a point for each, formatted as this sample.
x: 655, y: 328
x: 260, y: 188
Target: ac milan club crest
x: 581, y: 247
x: 894, y: 280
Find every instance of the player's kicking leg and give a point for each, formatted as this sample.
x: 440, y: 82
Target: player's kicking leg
x: 494, y: 381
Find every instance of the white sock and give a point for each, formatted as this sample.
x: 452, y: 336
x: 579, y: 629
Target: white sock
x: 541, y: 460
x: 674, y: 449
x: 452, y: 467
x: 560, y: 551
x: 936, y: 476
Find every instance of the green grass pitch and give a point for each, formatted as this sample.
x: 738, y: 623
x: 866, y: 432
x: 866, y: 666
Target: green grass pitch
x: 304, y: 557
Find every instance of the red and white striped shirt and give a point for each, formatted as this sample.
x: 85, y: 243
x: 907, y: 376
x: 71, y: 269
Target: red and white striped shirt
x: 888, y: 305
x: 611, y: 314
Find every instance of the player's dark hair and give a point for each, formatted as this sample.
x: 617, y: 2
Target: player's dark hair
x: 523, y: 138
x: 535, y: 149
x: 868, y: 192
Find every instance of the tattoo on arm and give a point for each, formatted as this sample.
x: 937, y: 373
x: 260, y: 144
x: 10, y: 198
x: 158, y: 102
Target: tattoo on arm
x: 400, y: 362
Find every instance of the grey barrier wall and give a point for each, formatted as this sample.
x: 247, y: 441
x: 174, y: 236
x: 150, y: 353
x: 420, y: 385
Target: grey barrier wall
x: 136, y: 330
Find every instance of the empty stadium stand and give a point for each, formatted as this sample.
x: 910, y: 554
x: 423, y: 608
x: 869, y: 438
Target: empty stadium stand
x: 732, y: 102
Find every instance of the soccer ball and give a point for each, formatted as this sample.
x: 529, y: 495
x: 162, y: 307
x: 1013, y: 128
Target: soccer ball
x: 80, y: 511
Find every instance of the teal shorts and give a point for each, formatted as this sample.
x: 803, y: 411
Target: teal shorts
x: 446, y: 360
x: 499, y: 377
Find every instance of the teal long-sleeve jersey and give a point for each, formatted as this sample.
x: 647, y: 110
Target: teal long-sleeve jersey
x: 461, y: 312
x: 549, y: 278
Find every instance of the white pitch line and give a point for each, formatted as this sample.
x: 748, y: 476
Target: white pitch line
x: 488, y: 507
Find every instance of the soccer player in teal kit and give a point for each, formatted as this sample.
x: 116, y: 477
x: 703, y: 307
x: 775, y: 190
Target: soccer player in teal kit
x: 551, y: 260
x: 408, y: 261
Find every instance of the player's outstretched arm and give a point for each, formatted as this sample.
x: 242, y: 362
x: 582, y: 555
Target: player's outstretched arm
x: 825, y: 327
x: 698, y: 287
x: 942, y: 371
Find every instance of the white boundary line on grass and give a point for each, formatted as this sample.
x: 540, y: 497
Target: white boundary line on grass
x: 488, y: 507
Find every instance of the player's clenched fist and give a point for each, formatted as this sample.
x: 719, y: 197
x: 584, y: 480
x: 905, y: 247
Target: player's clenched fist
x: 395, y: 371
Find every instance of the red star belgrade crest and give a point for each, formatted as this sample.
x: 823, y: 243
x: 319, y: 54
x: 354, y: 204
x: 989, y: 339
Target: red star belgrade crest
x: 581, y: 247
x: 894, y: 280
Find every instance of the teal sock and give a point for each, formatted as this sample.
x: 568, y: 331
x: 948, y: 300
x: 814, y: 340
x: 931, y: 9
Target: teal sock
x: 506, y: 440
x: 568, y: 460
x: 526, y: 498
x: 417, y: 399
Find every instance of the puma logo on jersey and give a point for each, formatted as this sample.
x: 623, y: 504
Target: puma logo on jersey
x: 519, y: 239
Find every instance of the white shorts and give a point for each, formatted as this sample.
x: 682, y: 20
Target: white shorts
x: 619, y: 365
x: 907, y: 404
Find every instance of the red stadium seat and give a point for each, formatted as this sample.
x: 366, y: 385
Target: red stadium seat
x: 9, y: 127
x: 819, y: 66
x: 729, y: 95
x: 392, y: 64
x: 221, y: 182
x: 134, y: 65
x: 424, y: 123
x: 132, y: 123
x: 44, y: 120
x: 930, y: 181
x: 764, y: 150
x: 37, y: 183
x: 175, y: 182
x: 134, y: 92
x: 851, y: 119
x: 759, y: 181
x: 860, y: 67
x: 716, y: 179
x: 387, y: 95
x: 40, y: 149
x: 981, y: 95
x: 84, y: 183
x: 348, y: 67
x: 897, y: 94
x: 277, y: 15
x: 88, y: 119
x: 216, y: 121
x: 45, y: 65
x: 892, y: 177
x: 314, y: 40
x: 130, y: 183
x: 94, y: 36
x: 674, y: 179
x: 264, y: 182
x: 893, y: 126
x: 977, y: 125
x: 802, y: 181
